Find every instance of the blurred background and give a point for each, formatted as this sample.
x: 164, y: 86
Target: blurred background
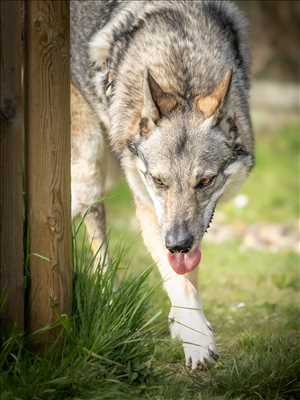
x: 274, y: 28
x: 274, y: 35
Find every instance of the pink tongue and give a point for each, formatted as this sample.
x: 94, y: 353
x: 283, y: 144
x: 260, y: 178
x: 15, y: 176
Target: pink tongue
x: 184, y: 262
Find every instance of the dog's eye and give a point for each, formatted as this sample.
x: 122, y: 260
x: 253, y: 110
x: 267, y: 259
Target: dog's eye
x: 159, y: 183
x: 205, y: 181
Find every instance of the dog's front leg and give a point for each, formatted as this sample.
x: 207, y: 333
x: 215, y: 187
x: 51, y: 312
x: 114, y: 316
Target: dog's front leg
x: 95, y: 225
x: 186, y: 318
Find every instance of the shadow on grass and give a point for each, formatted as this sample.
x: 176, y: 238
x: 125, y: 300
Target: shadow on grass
x: 255, y: 367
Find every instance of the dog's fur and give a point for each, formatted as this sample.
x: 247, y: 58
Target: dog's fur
x: 165, y: 84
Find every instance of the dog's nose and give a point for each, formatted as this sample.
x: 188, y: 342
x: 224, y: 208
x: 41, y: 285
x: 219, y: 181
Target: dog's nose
x: 179, y: 240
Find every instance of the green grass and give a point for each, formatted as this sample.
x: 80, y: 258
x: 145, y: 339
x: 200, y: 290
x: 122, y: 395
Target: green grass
x: 104, y: 350
x: 110, y: 351
x: 273, y: 186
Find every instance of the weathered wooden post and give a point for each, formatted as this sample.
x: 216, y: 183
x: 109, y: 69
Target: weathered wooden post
x: 47, y: 87
x: 11, y: 165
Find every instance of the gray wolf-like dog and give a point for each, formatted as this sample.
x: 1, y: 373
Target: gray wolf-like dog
x: 164, y: 85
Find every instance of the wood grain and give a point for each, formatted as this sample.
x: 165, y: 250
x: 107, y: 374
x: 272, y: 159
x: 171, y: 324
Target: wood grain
x: 48, y: 160
x: 11, y: 165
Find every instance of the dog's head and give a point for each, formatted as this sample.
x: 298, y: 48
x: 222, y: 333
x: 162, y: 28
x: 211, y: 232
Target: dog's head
x: 188, y: 155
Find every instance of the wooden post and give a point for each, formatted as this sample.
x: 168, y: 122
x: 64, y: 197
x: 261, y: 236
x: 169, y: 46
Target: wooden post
x: 47, y: 83
x: 11, y: 165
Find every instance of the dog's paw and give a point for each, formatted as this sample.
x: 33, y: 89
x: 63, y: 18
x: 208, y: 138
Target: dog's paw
x: 195, y: 333
x: 197, y: 357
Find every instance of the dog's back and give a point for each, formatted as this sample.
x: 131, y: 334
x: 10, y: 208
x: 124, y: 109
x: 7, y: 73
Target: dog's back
x: 191, y: 40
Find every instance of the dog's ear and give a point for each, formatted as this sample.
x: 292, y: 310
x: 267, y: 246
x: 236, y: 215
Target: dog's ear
x: 209, y: 105
x: 157, y: 103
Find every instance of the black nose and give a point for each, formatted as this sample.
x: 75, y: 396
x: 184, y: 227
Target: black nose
x: 179, y: 240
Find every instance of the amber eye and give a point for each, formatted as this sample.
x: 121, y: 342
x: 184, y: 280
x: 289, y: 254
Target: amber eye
x: 204, y: 182
x: 159, y: 183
